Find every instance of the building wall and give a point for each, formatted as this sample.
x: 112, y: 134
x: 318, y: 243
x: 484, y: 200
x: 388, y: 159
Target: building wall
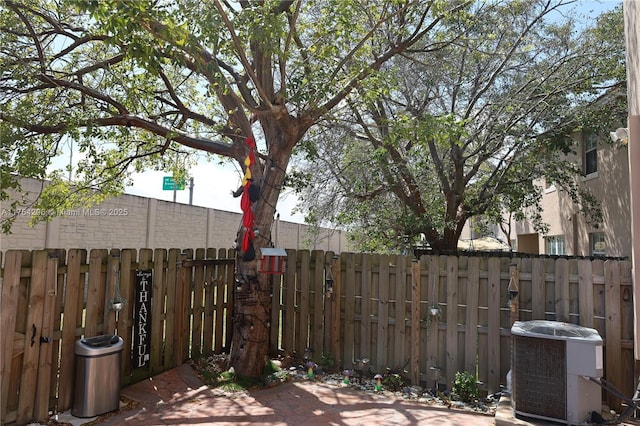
x: 131, y: 221
x: 610, y: 185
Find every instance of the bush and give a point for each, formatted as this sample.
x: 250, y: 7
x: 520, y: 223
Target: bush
x: 465, y: 386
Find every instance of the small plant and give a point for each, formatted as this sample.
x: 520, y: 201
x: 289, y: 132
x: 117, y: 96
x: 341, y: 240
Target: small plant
x: 465, y: 386
x: 326, y: 361
x: 393, y: 382
x: 394, y: 379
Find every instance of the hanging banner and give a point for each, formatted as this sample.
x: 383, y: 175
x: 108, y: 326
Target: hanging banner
x: 142, y: 318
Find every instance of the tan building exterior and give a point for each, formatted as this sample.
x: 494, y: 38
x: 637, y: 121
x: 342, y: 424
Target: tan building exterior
x: 131, y: 221
x: 606, y: 175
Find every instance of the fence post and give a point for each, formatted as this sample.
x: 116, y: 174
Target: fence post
x: 415, y: 321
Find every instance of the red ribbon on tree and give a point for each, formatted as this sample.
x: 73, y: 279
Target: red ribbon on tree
x: 245, y: 201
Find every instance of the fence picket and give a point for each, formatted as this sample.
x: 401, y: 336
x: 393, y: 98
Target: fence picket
x: 95, y: 293
x: 165, y: 286
x: 37, y: 294
x: 304, y: 275
x: 452, y: 316
x: 274, y: 331
x: 400, y: 314
x: 328, y: 305
x: 562, y: 289
x: 198, y: 304
x: 613, y: 326
x: 317, y: 302
x: 128, y: 258
x: 585, y: 292
x: 113, y: 264
x: 415, y: 322
x: 45, y: 357
x: 434, y: 318
x: 8, y: 317
x: 382, y: 346
x: 538, y: 307
x: 56, y: 342
x: 228, y: 310
x: 471, y: 314
x: 289, y: 318
x: 183, y: 309
x: 336, y: 310
x: 365, y: 306
x: 349, y: 285
x: 493, y: 325
x: 213, y: 283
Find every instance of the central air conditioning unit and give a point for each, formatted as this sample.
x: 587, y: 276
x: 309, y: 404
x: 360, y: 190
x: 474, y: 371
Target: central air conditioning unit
x: 551, y: 363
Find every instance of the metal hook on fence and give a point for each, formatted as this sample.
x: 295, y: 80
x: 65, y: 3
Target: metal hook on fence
x: 33, y: 335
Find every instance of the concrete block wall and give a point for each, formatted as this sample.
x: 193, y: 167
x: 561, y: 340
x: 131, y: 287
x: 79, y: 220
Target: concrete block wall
x: 131, y: 221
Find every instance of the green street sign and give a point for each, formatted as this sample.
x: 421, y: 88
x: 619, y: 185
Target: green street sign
x: 168, y: 184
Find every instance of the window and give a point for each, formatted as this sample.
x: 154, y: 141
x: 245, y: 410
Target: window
x: 549, y: 182
x: 590, y: 159
x: 549, y: 185
x: 597, y: 245
x: 555, y: 245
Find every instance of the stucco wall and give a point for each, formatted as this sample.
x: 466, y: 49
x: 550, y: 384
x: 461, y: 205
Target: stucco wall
x: 609, y: 185
x: 131, y: 221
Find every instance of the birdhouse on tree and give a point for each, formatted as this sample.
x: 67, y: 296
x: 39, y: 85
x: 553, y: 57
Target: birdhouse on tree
x: 273, y: 260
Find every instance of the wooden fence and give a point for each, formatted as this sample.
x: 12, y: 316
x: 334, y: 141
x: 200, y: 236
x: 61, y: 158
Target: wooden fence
x: 349, y: 307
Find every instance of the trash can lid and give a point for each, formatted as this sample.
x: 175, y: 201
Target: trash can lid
x: 554, y: 330
x: 99, y: 345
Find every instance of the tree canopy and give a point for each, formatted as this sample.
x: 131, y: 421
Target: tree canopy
x: 470, y: 129
x: 135, y: 83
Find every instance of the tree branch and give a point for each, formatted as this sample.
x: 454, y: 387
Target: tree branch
x: 243, y: 58
x: 235, y: 150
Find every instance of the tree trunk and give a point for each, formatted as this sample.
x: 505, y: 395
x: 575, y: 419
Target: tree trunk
x: 252, y: 289
x: 251, y: 316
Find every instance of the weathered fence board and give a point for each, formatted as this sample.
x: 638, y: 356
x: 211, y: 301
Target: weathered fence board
x: 128, y: 260
x: 433, y: 342
x: 289, y: 317
x: 414, y: 354
x: 349, y: 310
x: 471, y: 319
x: 350, y: 307
x: 316, y: 300
x: 613, y: 323
x: 382, y: 344
x: 400, y: 312
x: 304, y: 296
x: 585, y: 292
x: 452, y: 316
x: 198, y: 305
x: 45, y: 356
x: 8, y: 317
x: 365, y: 305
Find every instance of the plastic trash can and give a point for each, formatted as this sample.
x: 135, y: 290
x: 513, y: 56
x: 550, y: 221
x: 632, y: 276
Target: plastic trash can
x: 97, y: 375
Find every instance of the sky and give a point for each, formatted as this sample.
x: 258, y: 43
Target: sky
x: 213, y: 183
x: 212, y: 187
